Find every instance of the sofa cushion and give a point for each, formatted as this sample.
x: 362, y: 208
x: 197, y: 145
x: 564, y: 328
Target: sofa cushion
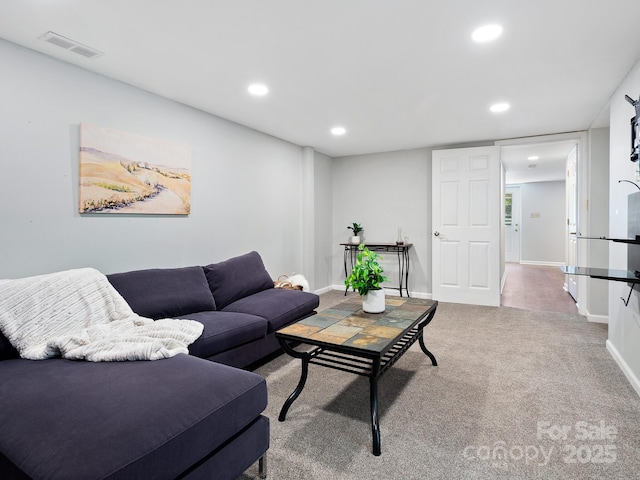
x: 65, y: 419
x: 225, y: 330
x: 278, y: 306
x: 236, y: 278
x: 164, y: 293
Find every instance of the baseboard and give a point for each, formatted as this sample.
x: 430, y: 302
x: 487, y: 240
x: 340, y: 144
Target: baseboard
x: 326, y: 289
x: 388, y: 291
x: 633, y: 380
x: 335, y: 287
x: 597, y: 318
x: 424, y: 296
x: 545, y: 264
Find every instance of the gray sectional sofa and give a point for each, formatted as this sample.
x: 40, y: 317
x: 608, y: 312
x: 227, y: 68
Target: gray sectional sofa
x: 185, y: 417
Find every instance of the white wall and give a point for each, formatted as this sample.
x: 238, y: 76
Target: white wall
x: 598, y: 251
x: 246, y: 190
x: 624, y: 322
x: 382, y: 192
x: 543, y: 232
x: 323, y: 216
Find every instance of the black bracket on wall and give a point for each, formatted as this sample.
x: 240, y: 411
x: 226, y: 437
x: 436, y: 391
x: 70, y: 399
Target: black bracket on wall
x: 629, y: 181
x: 626, y: 302
x: 635, y: 129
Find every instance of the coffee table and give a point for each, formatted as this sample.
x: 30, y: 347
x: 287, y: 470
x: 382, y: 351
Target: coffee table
x: 368, y: 344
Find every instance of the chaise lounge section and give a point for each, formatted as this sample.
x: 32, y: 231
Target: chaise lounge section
x: 181, y: 417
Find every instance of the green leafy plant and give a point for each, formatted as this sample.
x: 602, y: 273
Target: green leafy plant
x: 356, y: 228
x: 366, y: 274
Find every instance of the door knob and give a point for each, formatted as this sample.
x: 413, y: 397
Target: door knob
x: 436, y: 233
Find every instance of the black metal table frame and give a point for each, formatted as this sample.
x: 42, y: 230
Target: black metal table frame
x: 359, y: 362
x: 402, y: 251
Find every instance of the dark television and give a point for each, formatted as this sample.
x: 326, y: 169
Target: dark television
x: 633, y: 230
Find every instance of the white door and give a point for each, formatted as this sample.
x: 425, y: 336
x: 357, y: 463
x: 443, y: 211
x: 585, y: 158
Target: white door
x: 466, y: 217
x: 512, y: 222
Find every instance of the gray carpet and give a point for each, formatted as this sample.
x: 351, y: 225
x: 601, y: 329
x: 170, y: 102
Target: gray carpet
x: 517, y: 394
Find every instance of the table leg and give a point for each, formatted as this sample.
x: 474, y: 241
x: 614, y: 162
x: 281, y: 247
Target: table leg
x: 400, y: 268
x: 406, y: 270
x: 344, y: 258
x: 297, y: 391
x: 423, y: 324
x: 373, y: 397
x: 305, y: 357
x: 427, y: 352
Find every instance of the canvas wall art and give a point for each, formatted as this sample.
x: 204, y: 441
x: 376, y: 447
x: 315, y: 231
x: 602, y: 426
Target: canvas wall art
x: 125, y: 173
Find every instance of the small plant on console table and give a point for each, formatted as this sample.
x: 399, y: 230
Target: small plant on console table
x: 365, y: 278
x: 356, y: 228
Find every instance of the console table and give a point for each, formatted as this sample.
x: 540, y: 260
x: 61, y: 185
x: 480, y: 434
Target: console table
x: 400, y: 249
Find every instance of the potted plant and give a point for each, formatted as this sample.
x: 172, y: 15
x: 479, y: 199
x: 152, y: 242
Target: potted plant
x: 365, y: 278
x: 356, y: 228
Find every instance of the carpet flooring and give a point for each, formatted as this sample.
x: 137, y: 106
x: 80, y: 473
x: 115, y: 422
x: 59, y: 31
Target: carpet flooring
x: 518, y: 394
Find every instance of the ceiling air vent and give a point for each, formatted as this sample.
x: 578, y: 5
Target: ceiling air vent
x: 71, y: 45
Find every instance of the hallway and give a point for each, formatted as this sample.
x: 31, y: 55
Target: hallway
x: 536, y: 287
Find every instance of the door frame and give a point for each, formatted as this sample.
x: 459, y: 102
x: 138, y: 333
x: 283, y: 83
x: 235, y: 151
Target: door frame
x: 582, y: 220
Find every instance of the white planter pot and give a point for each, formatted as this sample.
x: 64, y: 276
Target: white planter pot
x: 373, y: 302
x: 355, y: 240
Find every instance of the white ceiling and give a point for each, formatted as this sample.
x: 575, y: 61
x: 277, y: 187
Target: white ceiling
x: 396, y: 74
x: 549, y: 167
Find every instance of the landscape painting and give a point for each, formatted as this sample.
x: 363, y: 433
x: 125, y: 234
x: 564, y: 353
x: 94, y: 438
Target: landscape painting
x: 125, y: 173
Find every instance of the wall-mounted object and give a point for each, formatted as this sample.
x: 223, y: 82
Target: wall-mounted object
x: 632, y: 274
x: 125, y: 173
x: 635, y: 125
x: 629, y: 181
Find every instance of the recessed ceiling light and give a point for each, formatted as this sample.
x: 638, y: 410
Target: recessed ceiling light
x: 258, y: 89
x: 533, y: 157
x: 499, y: 107
x: 338, y: 130
x: 486, y: 33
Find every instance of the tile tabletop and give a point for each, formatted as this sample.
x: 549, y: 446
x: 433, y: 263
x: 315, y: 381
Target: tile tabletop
x: 347, y: 325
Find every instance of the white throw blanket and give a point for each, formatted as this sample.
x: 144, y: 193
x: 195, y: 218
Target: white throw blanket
x: 77, y: 314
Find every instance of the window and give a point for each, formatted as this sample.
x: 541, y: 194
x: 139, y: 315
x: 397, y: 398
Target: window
x: 508, y: 200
